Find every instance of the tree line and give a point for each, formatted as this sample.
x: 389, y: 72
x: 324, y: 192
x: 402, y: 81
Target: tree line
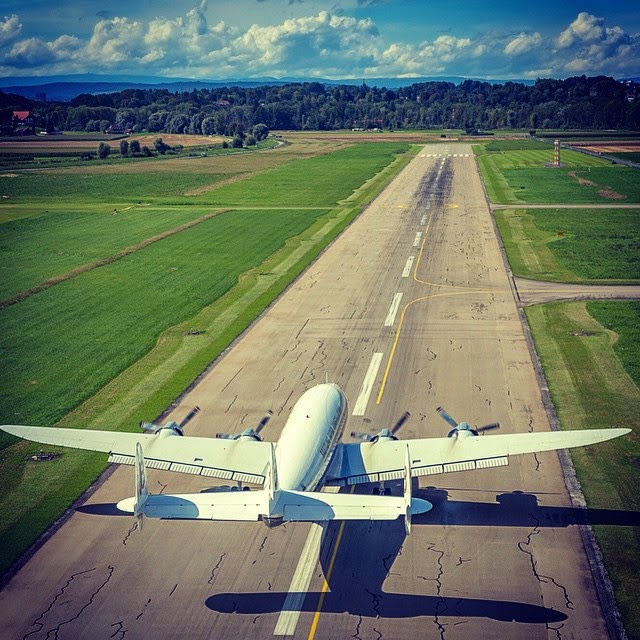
x: 574, y: 103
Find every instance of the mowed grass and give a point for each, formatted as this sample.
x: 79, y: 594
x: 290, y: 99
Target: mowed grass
x: 38, y: 247
x: 63, y: 344
x: 520, y: 176
x: 589, y: 352
x: 108, y: 189
x: 572, y: 245
x: 194, y: 276
x: 319, y: 181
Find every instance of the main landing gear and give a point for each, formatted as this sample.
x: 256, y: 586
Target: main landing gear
x: 381, y: 490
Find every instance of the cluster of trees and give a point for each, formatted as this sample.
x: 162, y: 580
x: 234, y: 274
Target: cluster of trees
x: 580, y: 102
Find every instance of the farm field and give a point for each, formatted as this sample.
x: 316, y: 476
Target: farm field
x: 589, y: 351
x: 133, y: 322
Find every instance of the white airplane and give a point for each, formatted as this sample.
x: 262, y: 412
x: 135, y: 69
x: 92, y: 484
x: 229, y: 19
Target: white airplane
x: 307, y: 456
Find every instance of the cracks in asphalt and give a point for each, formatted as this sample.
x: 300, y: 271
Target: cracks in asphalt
x: 231, y: 404
x: 531, y: 430
x: 375, y: 601
x: 146, y: 604
x: 54, y: 631
x: 133, y: 528
x: 526, y: 547
x: 285, y: 403
x: 264, y: 541
x: 358, y: 625
x: 441, y: 605
x: 215, y: 569
x: 321, y: 357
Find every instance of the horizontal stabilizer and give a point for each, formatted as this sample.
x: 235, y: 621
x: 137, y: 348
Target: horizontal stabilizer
x: 296, y: 506
x: 303, y: 506
x: 218, y: 505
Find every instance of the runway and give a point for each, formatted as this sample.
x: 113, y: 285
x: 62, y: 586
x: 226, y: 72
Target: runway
x: 411, y: 308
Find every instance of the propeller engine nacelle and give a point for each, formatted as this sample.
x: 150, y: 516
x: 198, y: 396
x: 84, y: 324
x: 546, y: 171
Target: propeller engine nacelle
x: 171, y: 427
x: 250, y: 433
x: 464, y: 429
x: 384, y: 434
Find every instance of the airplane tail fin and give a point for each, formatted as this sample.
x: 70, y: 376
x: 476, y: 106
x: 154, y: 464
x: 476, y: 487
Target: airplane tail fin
x: 142, y: 492
x: 272, y: 474
x: 407, y: 492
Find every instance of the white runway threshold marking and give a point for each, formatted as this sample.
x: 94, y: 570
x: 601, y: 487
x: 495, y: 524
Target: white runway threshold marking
x: 288, y: 619
x: 407, y: 266
x: 367, y: 384
x: 393, y: 310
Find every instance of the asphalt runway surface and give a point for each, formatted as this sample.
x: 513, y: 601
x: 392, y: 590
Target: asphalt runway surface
x: 411, y: 308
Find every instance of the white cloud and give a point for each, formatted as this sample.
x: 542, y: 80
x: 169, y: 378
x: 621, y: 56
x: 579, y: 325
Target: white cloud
x: 523, y: 43
x: 331, y: 44
x: 10, y: 28
x: 588, y: 46
x: 585, y: 27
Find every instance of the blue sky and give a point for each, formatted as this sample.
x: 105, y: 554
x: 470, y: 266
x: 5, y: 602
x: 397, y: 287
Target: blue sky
x: 498, y: 39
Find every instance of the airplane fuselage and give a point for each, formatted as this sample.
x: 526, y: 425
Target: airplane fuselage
x: 309, y: 437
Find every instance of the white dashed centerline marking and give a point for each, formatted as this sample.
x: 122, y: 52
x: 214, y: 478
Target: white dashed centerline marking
x: 408, y: 265
x: 417, y: 239
x: 393, y: 309
x: 288, y: 619
x: 367, y: 385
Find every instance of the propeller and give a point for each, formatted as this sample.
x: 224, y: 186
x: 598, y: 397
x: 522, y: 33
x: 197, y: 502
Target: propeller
x: 150, y: 427
x: 464, y: 426
x: 252, y: 433
x: 190, y: 416
x: 384, y: 433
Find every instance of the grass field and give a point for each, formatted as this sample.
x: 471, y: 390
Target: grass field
x: 110, y: 345
x: 572, y: 245
x: 517, y: 176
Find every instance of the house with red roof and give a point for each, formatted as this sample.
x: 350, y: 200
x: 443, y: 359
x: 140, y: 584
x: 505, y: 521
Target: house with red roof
x: 24, y: 123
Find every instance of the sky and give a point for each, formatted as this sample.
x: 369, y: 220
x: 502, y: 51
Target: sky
x: 332, y: 39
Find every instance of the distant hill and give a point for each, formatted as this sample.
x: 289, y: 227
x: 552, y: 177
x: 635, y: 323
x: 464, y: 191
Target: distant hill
x: 65, y: 88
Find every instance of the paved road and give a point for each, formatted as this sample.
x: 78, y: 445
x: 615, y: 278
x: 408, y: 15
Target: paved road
x: 499, y: 556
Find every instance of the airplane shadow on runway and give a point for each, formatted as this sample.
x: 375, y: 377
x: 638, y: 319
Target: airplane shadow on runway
x: 514, y: 509
x: 368, y: 551
x: 363, y: 562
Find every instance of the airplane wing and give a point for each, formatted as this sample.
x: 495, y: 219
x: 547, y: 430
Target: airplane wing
x: 233, y: 460
x: 383, y: 460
